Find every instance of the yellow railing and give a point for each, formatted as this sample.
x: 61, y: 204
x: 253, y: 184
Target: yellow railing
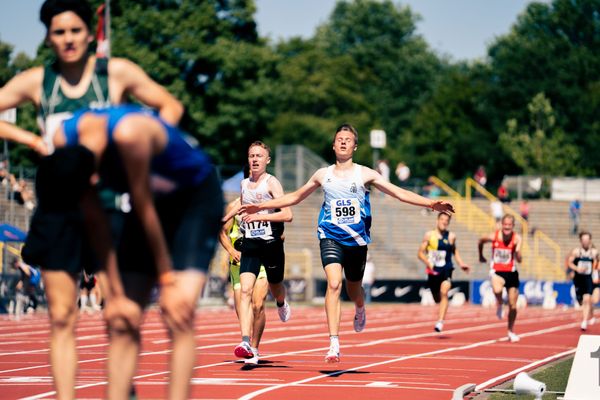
x: 11, y: 249
x: 543, y: 261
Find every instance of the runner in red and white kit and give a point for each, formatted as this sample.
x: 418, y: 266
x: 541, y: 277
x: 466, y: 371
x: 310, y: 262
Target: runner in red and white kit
x: 506, y: 252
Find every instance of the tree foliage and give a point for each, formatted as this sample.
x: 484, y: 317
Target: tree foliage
x: 368, y: 66
x: 542, y: 148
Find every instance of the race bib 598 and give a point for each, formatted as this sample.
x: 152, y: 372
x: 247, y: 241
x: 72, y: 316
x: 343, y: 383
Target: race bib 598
x: 345, y: 211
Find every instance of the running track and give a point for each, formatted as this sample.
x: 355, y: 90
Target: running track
x: 397, y: 356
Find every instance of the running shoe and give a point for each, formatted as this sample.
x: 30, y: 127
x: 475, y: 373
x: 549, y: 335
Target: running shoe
x: 284, y: 312
x: 499, y: 311
x: 360, y: 319
x: 439, y: 326
x: 584, y: 326
x: 333, y: 356
x: 592, y: 321
x: 243, y: 350
x: 513, y: 337
x: 252, y: 360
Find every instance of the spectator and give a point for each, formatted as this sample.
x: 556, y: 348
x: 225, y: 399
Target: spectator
x: 383, y: 167
x: 369, y: 277
x: 402, y: 172
x: 502, y: 193
x: 27, y: 284
x: 575, y: 214
x: 480, y: 176
x: 27, y: 196
x: 497, y: 210
x: 524, y: 210
x: 431, y: 190
x: 3, y: 176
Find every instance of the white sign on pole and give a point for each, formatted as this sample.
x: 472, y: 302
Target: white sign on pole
x: 584, y: 379
x: 377, y: 139
x: 9, y: 115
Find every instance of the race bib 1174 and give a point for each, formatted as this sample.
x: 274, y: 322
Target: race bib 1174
x: 258, y: 230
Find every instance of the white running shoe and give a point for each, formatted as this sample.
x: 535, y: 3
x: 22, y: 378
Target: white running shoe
x: 513, y: 337
x: 284, y: 312
x: 499, y: 311
x: 584, y: 326
x: 333, y: 355
x: 592, y: 321
x: 439, y: 326
x: 243, y: 350
x: 360, y: 319
x: 253, y: 360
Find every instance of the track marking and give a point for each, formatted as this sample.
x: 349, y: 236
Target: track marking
x: 426, y: 354
x: 489, y: 382
x: 536, y: 318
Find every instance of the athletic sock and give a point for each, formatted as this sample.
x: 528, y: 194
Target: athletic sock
x: 246, y: 339
x: 280, y: 304
x: 334, y: 340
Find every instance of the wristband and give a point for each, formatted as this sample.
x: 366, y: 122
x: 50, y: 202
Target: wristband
x: 166, y: 278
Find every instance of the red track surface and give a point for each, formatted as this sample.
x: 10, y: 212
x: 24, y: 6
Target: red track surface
x: 397, y: 356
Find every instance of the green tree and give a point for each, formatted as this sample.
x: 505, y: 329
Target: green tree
x: 381, y: 39
x: 313, y: 94
x: 552, y: 48
x: 206, y: 52
x: 542, y: 147
x: 451, y: 134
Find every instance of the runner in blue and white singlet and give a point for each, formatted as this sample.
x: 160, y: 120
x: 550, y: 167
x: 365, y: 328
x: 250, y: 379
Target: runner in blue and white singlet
x: 346, y: 211
x: 344, y: 224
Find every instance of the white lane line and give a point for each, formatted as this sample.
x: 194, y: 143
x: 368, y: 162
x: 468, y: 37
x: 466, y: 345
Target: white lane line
x: 429, y: 353
x: 489, y: 382
x: 481, y: 327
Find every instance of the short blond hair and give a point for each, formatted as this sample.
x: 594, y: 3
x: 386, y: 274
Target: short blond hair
x: 260, y: 144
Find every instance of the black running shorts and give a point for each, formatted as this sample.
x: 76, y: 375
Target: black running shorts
x: 191, y: 222
x: 434, y: 282
x: 511, y: 279
x: 352, y: 258
x: 270, y: 254
x: 583, y: 285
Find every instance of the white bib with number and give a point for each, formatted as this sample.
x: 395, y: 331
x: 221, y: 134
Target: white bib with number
x: 345, y: 211
x: 585, y: 264
x: 258, y: 230
x: 437, y: 257
x: 502, y: 256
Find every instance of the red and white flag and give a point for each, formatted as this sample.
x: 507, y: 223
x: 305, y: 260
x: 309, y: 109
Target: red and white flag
x: 103, y: 31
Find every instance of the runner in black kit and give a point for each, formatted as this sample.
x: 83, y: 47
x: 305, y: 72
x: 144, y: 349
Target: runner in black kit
x: 583, y: 262
x: 436, y: 252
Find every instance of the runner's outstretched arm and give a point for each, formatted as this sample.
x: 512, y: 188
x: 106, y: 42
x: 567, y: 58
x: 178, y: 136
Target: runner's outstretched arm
x: 374, y: 178
x: 289, y: 199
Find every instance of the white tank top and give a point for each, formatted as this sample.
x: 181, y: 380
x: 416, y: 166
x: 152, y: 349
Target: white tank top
x: 262, y: 230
